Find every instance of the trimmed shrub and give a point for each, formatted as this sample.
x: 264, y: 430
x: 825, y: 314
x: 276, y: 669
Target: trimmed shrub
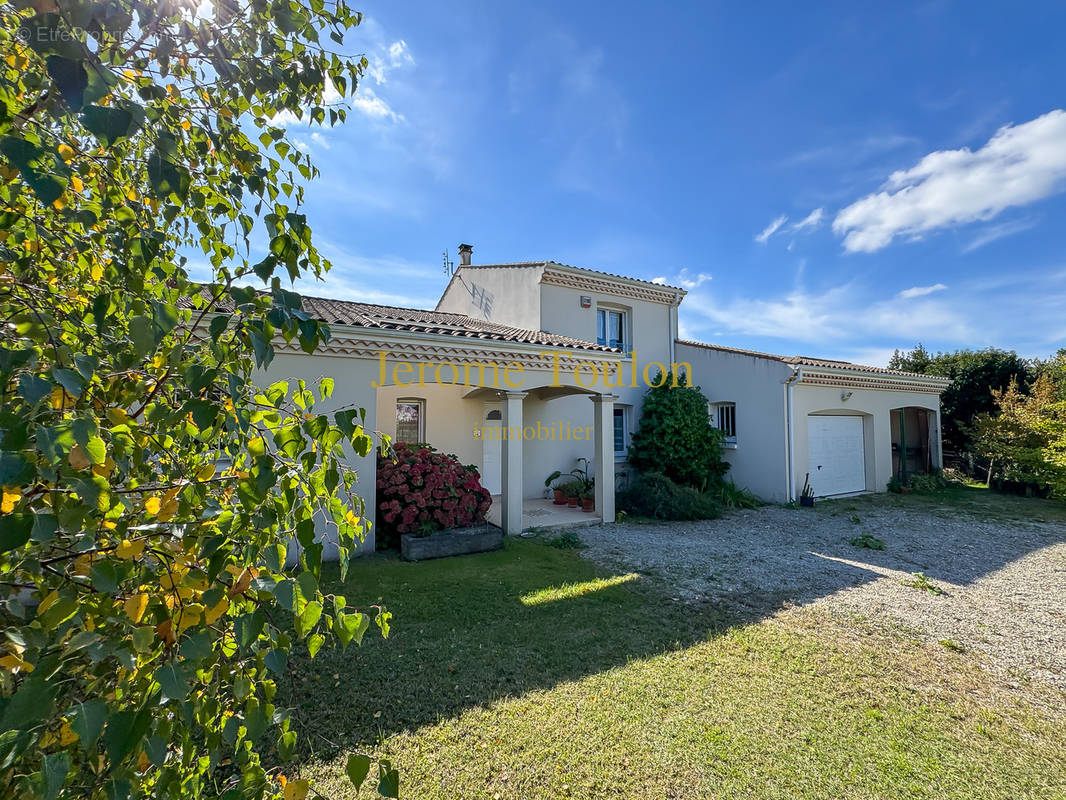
x: 729, y: 495
x: 420, y: 490
x: 676, y: 437
x: 653, y: 495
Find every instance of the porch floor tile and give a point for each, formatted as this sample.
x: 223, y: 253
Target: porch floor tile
x: 540, y: 513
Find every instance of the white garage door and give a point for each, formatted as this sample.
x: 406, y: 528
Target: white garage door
x: 837, y: 455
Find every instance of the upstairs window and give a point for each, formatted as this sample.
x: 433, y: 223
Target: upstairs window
x: 611, y: 328
x: 411, y: 421
x: 724, y: 417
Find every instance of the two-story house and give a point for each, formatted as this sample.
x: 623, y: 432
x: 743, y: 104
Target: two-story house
x: 526, y: 368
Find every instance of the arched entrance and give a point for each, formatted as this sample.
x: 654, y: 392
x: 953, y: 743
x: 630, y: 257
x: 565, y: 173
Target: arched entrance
x: 492, y: 451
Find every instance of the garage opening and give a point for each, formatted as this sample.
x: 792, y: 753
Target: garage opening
x: 914, y: 439
x: 836, y: 449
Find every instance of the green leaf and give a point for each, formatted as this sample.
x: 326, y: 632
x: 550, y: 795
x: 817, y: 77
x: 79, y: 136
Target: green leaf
x: 142, y: 335
x: 15, y: 531
x: 54, y: 773
x: 43, y: 170
x: 308, y: 618
x: 166, y: 177
x: 104, y: 577
x: 70, y: 78
x: 33, y: 389
x: 124, y: 733
x: 314, y: 643
x: 325, y: 387
x: 173, y: 680
x: 276, y: 661
x: 96, y: 449
x: 286, y: 746
x: 69, y: 380
x: 15, y: 470
x: 389, y: 783
x: 109, y: 123
x: 357, y: 768
x: 88, y: 721
x: 351, y: 626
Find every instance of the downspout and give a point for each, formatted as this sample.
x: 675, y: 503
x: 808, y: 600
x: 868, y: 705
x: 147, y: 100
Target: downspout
x: 794, y: 378
x: 673, y: 331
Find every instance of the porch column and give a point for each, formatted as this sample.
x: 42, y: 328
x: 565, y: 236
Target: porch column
x: 603, y: 417
x: 511, y: 491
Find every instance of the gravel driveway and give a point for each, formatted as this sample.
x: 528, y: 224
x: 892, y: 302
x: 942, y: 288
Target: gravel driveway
x: 1004, y: 583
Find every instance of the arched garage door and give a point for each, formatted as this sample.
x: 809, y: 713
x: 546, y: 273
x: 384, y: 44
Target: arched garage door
x: 837, y: 454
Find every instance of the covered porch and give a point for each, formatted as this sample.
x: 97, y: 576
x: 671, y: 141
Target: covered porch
x: 538, y: 512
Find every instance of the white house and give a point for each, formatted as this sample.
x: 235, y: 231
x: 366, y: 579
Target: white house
x: 525, y: 368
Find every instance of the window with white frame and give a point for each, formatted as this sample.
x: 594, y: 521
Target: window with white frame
x: 410, y: 420
x: 611, y: 327
x: 621, y: 430
x: 724, y: 417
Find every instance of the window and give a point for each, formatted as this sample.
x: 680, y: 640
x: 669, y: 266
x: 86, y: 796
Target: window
x: 621, y: 429
x: 611, y: 328
x: 724, y: 417
x: 410, y: 421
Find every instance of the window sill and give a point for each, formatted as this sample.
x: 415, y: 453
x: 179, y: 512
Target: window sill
x: 729, y: 445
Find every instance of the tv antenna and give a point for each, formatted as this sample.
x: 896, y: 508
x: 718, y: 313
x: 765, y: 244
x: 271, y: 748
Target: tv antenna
x: 449, y: 265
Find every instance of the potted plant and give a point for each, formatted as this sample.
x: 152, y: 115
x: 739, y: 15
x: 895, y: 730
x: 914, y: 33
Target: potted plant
x: 807, y: 495
x: 557, y: 489
x: 588, y: 500
x: 572, y: 490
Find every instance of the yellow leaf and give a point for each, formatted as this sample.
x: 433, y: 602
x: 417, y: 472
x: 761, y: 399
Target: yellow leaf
x: 297, y: 790
x: 60, y: 397
x: 135, y: 606
x: 76, y: 183
x: 60, y: 202
x: 165, y: 631
x: 11, y: 497
x: 216, y: 611
x: 14, y: 662
x: 66, y: 152
x: 143, y: 762
x: 97, y: 271
x: 105, y: 469
x: 244, y: 580
x: 152, y: 505
x: 48, y: 602
x: 206, y: 472
x: 67, y: 735
x: 128, y: 550
x: 190, y: 615
x: 185, y: 124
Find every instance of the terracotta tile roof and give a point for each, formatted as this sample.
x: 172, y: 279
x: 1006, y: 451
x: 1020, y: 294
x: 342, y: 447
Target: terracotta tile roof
x: 521, y: 264
x: 439, y: 323
x: 808, y: 361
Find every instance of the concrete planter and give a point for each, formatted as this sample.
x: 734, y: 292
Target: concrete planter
x: 456, y: 542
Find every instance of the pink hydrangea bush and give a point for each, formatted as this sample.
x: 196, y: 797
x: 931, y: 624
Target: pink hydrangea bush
x: 420, y: 490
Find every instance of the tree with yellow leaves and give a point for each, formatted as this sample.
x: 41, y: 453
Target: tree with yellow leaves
x: 152, y: 493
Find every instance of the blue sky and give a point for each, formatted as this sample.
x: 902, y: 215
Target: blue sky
x: 834, y: 179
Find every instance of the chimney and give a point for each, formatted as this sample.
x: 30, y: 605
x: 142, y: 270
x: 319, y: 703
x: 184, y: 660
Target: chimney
x: 466, y: 251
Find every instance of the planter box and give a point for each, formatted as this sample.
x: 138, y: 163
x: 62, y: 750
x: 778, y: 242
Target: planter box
x: 456, y: 542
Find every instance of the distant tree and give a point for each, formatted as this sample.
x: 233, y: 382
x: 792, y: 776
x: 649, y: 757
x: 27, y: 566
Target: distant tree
x: 1025, y: 438
x: 1055, y: 369
x: 975, y: 375
x: 676, y: 437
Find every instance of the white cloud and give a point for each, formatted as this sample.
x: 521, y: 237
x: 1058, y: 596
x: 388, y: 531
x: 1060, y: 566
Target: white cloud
x: 771, y: 229
x: 683, y: 279
x: 387, y: 59
x: 921, y: 291
x: 367, y: 101
x: 812, y: 220
x: 1019, y: 165
x: 1000, y: 231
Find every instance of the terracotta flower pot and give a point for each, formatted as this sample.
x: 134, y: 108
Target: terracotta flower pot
x: 588, y: 504
x: 571, y: 502
x: 560, y: 497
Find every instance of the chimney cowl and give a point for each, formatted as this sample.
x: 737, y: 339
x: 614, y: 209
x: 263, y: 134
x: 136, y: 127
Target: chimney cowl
x: 466, y: 252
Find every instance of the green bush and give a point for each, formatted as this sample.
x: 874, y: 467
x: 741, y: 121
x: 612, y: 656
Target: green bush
x: 655, y: 496
x: 676, y: 437
x: 928, y: 483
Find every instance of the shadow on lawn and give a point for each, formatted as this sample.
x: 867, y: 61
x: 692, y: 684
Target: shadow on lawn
x: 462, y: 636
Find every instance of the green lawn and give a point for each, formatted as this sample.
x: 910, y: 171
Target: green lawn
x: 970, y: 498
x: 528, y: 674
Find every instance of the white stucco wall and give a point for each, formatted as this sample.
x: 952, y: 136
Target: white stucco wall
x: 507, y: 295
x: 756, y: 385
x: 875, y: 406
x: 352, y: 387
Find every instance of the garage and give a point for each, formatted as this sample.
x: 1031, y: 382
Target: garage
x: 837, y: 454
